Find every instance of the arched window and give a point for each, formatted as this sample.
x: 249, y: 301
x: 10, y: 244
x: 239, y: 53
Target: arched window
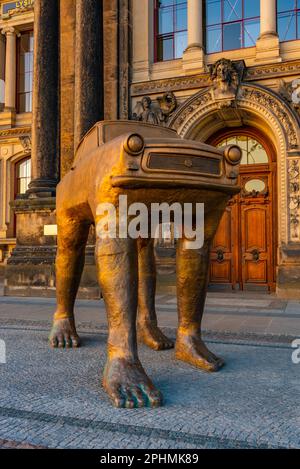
x: 253, y: 151
x: 231, y: 24
x: 23, y: 176
x: 170, y: 29
x: 288, y: 19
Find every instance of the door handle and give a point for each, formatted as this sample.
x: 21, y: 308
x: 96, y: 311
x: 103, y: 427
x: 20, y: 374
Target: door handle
x: 220, y: 256
x: 255, y: 255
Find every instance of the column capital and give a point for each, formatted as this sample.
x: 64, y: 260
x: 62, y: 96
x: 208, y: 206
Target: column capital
x: 10, y: 31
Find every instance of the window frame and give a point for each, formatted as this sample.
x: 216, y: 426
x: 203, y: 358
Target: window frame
x: 18, y: 92
x: 297, y: 13
x: 17, y: 178
x: 223, y: 23
x: 170, y: 35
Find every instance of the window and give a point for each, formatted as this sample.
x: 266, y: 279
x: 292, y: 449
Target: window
x: 23, y: 176
x: 288, y: 19
x: 170, y: 29
x: 25, y: 72
x: 253, y: 151
x: 231, y: 24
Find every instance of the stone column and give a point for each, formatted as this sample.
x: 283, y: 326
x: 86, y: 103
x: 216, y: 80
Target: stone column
x: 268, y: 18
x: 267, y: 46
x: 193, y: 58
x: 89, y: 66
x: 2, y: 71
x: 195, y: 24
x: 10, y: 68
x: 45, y: 113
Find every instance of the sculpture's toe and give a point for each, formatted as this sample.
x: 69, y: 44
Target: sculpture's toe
x: 117, y: 397
x: 129, y: 398
x: 64, y: 335
x: 154, y: 397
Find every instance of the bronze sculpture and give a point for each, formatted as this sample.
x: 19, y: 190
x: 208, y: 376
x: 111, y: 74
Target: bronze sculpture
x: 153, y: 165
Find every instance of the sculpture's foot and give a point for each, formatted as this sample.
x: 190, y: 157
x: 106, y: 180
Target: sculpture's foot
x: 128, y: 386
x: 191, y: 349
x: 64, y: 335
x: 150, y: 335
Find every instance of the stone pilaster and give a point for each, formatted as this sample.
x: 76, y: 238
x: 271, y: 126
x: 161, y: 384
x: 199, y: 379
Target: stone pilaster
x: 268, y: 46
x: 125, y: 57
x: 193, y: 57
x: 10, y: 67
x: 89, y: 66
x: 67, y: 83
x: 45, y: 114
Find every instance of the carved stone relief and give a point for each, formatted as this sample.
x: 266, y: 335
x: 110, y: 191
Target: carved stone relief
x: 294, y: 199
x: 226, y: 77
x: 26, y: 143
x: 290, y: 91
x: 156, y: 113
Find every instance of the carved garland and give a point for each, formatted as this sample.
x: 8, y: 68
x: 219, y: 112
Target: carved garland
x: 294, y: 202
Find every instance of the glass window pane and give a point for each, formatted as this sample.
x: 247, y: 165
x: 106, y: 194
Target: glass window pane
x: 165, y: 3
x: 165, y: 48
x: 256, y: 153
x: 181, y: 17
x: 213, y: 12
x: 253, y: 151
x: 214, y: 39
x: 251, y: 8
x: 180, y: 44
x: 166, y: 21
x: 232, y: 36
x: 287, y: 26
x: 251, y: 32
x: 286, y: 5
x: 232, y: 10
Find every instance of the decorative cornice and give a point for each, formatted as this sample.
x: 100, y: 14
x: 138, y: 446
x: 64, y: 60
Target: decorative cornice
x: 170, y: 84
x: 16, y: 132
x: 181, y: 83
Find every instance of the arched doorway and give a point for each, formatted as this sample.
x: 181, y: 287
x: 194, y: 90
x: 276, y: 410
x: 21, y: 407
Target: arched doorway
x: 243, y: 255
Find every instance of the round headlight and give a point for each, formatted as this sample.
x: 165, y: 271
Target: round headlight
x: 233, y: 154
x: 134, y: 144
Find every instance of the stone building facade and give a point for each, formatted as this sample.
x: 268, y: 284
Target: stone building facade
x: 214, y: 70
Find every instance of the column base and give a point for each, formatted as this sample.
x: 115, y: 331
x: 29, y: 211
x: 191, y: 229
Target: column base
x: 30, y: 271
x: 288, y: 273
x: 42, y: 188
x: 193, y: 60
x: 268, y: 48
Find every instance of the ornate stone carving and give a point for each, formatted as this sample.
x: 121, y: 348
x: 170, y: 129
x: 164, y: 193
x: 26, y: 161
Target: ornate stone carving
x: 267, y: 100
x: 294, y: 199
x: 155, y: 113
x: 26, y: 143
x: 203, y: 80
x: 226, y: 77
x: 290, y: 91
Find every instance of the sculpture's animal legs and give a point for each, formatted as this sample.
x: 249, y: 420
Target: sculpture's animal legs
x: 148, y: 330
x: 192, y: 282
x: 124, y: 379
x: 72, y: 239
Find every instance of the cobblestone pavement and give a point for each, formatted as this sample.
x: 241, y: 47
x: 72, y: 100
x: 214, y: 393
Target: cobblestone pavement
x: 54, y: 398
x: 233, y: 313
x: 4, y: 444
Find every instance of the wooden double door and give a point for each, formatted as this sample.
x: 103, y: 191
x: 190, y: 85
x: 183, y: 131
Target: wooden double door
x: 243, y: 251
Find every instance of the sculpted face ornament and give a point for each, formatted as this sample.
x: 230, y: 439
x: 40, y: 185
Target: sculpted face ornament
x: 150, y: 165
